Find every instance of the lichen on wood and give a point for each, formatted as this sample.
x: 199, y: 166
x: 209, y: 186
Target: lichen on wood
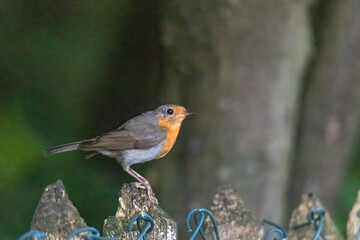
x: 299, y: 216
x: 133, y: 202
x: 233, y: 217
x: 55, y: 214
x: 353, y: 223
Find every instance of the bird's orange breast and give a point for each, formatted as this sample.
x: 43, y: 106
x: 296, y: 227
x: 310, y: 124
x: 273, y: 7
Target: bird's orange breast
x: 172, y: 133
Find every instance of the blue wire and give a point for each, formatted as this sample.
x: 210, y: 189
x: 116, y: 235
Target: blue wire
x: 92, y: 233
x: 199, y: 223
x: 321, y: 212
x: 34, y: 235
x: 148, y: 228
x: 315, y: 221
x: 277, y: 229
x: 357, y: 234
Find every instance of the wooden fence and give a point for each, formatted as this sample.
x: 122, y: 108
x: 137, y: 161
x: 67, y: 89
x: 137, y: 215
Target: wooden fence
x: 57, y: 217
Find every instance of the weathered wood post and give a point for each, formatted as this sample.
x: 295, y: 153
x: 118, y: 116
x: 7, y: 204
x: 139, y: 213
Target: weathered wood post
x: 299, y: 217
x: 234, y: 219
x: 57, y: 217
x: 353, y: 223
x: 55, y: 214
x: 133, y: 202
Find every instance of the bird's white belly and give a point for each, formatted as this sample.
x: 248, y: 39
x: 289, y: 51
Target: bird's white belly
x: 134, y: 156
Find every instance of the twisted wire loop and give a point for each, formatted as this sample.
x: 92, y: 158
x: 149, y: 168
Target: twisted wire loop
x: 275, y: 230
x: 357, y: 234
x: 199, y: 217
x: 143, y: 230
x: 33, y: 234
x: 317, y: 218
x: 90, y: 233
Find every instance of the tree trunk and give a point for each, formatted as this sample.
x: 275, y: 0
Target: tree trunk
x: 331, y: 105
x: 239, y: 65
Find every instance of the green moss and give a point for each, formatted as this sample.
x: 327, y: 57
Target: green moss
x: 349, y: 190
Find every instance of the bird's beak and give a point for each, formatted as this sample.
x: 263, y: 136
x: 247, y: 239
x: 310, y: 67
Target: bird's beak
x: 189, y: 113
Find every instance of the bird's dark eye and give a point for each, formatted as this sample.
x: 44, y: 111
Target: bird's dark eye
x: 170, y: 111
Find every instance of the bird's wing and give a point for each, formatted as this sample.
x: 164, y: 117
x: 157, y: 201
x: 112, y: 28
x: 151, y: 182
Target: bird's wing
x: 129, y: 136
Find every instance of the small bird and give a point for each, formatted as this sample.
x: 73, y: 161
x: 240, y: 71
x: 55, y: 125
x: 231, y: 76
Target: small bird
x: 148, y: 136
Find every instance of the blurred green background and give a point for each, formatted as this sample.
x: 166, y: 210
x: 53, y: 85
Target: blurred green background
x: 257, y: 74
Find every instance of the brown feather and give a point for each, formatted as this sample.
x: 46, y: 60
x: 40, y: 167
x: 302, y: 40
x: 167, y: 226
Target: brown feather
x: 137, y: 133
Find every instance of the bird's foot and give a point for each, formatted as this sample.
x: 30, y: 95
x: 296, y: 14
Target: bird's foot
x: 148, y: 189
x: 138, y: 185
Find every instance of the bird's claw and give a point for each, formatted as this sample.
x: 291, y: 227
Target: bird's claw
x: 138, y: 185
x: 148, y: 189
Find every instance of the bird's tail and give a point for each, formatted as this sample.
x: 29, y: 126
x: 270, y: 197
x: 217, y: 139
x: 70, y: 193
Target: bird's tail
x: 65, y: 147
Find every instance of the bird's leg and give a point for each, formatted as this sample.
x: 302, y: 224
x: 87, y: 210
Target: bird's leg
x: 143, y: 181
x: 140, y: 180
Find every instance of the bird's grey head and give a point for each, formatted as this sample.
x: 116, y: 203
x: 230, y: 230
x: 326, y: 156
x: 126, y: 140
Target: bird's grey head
x: 172, y: 111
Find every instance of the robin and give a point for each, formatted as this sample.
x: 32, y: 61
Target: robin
x: 148, y: 136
